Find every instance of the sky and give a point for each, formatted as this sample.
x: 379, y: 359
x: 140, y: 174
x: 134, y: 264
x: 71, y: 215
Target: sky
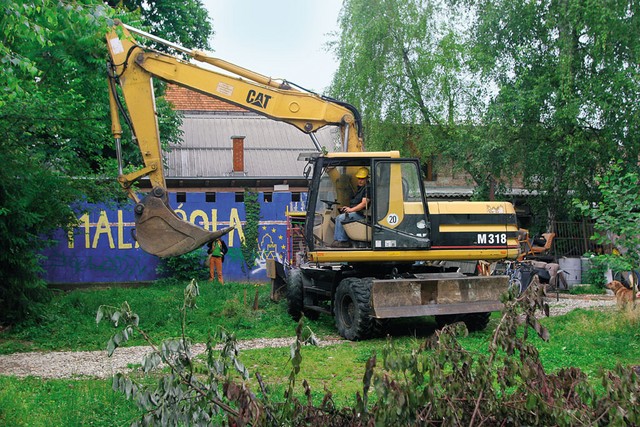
x: 277, y: 38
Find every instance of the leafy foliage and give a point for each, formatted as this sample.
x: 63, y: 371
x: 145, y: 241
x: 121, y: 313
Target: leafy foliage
x: 401, y: 64
x: 440, y: 380
x: 557, y: 66
x: 252, y: 217
x: 185, y: 267
x: 185, y: 22
x: 55, y: 125
x: 617, y: 215
x: 50, y: 133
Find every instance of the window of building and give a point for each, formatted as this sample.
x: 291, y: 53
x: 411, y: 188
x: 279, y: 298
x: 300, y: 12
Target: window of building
x: 181, y: 197
x: 210, y: 197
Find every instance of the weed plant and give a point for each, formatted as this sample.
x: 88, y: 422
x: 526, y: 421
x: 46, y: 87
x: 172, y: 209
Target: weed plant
x: 598, y: 344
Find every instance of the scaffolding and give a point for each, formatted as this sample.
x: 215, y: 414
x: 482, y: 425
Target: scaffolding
x: 296, y: 246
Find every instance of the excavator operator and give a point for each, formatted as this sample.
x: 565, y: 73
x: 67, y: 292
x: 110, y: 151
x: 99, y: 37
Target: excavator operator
x: 358, y: 203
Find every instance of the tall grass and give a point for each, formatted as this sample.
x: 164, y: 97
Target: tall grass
x: 69, y: 323
x: 34, y: 402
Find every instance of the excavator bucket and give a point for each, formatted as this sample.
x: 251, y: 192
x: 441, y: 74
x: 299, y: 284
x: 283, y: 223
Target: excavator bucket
x: 160, y: 232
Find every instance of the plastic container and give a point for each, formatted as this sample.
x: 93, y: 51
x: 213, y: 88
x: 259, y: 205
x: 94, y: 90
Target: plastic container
x: 572, y: 268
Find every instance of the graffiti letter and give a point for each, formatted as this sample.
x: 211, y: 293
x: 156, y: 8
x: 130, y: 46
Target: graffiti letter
x: 84, y: 219
x: 198, y: 213
x: 121, y: 243
x: 234, y: 219
x: 103, y: 226
x: 180, y: 212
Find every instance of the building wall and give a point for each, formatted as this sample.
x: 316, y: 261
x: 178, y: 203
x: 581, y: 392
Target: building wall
x: 102, y: 250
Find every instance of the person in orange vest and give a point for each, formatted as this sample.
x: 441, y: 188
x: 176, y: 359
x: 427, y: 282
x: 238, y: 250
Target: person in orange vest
x: 216, y: 250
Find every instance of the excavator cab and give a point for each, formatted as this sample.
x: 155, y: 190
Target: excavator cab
x: 397, y: 216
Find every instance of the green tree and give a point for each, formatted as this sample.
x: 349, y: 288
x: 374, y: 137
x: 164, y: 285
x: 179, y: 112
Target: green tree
x: 52, y: 129
x: 54, y: 120
x: 566, y: 102
x: 545, y: 91
x: 400, y: 63
x: 617, y: 215
x: 186, y: 22
x: 407, y: 66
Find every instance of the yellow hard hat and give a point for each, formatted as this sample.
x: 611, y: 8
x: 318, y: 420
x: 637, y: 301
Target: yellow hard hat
x: 362, y: 173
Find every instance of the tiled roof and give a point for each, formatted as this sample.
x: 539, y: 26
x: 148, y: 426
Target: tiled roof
x: 187, y: 100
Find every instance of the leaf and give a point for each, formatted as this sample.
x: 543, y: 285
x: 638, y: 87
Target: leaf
x: 115, y: 317
x: 111, y: 347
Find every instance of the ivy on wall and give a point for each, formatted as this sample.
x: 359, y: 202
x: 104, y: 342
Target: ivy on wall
x: 252, y: 221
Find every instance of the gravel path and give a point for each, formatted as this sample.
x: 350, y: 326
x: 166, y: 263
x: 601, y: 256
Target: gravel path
x: 96, y: 364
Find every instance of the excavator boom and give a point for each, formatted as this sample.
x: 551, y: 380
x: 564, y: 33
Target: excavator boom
x: 132, y: 67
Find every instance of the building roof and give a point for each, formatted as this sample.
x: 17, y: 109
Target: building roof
x: 188, y: 100
x: 271, y: 148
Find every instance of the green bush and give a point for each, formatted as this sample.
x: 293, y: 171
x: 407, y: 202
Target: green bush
x: 192, y: 265
x: 595, y: 274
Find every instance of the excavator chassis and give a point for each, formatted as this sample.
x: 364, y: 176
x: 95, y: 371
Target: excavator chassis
x: 361, y: 300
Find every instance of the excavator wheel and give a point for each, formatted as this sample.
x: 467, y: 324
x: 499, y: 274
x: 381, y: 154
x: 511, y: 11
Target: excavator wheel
x: 476, y: 321
x: 295, y: 297
x: 473, y: 321
x: 353, y: 309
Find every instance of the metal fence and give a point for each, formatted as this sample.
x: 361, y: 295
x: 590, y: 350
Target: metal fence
x: 573, y: 239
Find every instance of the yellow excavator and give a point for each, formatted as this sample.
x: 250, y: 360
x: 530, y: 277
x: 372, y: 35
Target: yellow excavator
x: 396, y: 262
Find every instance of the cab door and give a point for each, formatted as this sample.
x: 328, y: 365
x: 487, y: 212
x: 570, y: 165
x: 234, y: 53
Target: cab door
x: 401, y: 217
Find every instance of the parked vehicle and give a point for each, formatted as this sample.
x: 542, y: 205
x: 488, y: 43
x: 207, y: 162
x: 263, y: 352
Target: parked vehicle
x: 395, y: 261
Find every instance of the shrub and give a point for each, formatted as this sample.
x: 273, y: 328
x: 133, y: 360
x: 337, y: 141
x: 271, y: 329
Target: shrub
x: 504, y: 384
x: 192, y: 265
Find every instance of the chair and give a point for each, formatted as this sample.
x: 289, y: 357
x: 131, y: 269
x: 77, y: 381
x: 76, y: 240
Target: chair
x: 540, y: 250
x: 359, y: 229
x: 528, y: 248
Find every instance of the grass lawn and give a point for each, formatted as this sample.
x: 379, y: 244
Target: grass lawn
x: 587, y: 339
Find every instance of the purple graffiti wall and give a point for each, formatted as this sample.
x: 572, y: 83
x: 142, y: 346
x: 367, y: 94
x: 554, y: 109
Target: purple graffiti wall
x: 101, y: 249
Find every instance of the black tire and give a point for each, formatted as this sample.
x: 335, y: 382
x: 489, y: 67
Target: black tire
x: 473, y: 321
x: 443, y: 320
x: 352, y: 309
x: 476, y: 321
x: 295, y: 297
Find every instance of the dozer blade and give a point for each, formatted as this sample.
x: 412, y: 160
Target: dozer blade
x: 160, y: 232
x: 437, y: 294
